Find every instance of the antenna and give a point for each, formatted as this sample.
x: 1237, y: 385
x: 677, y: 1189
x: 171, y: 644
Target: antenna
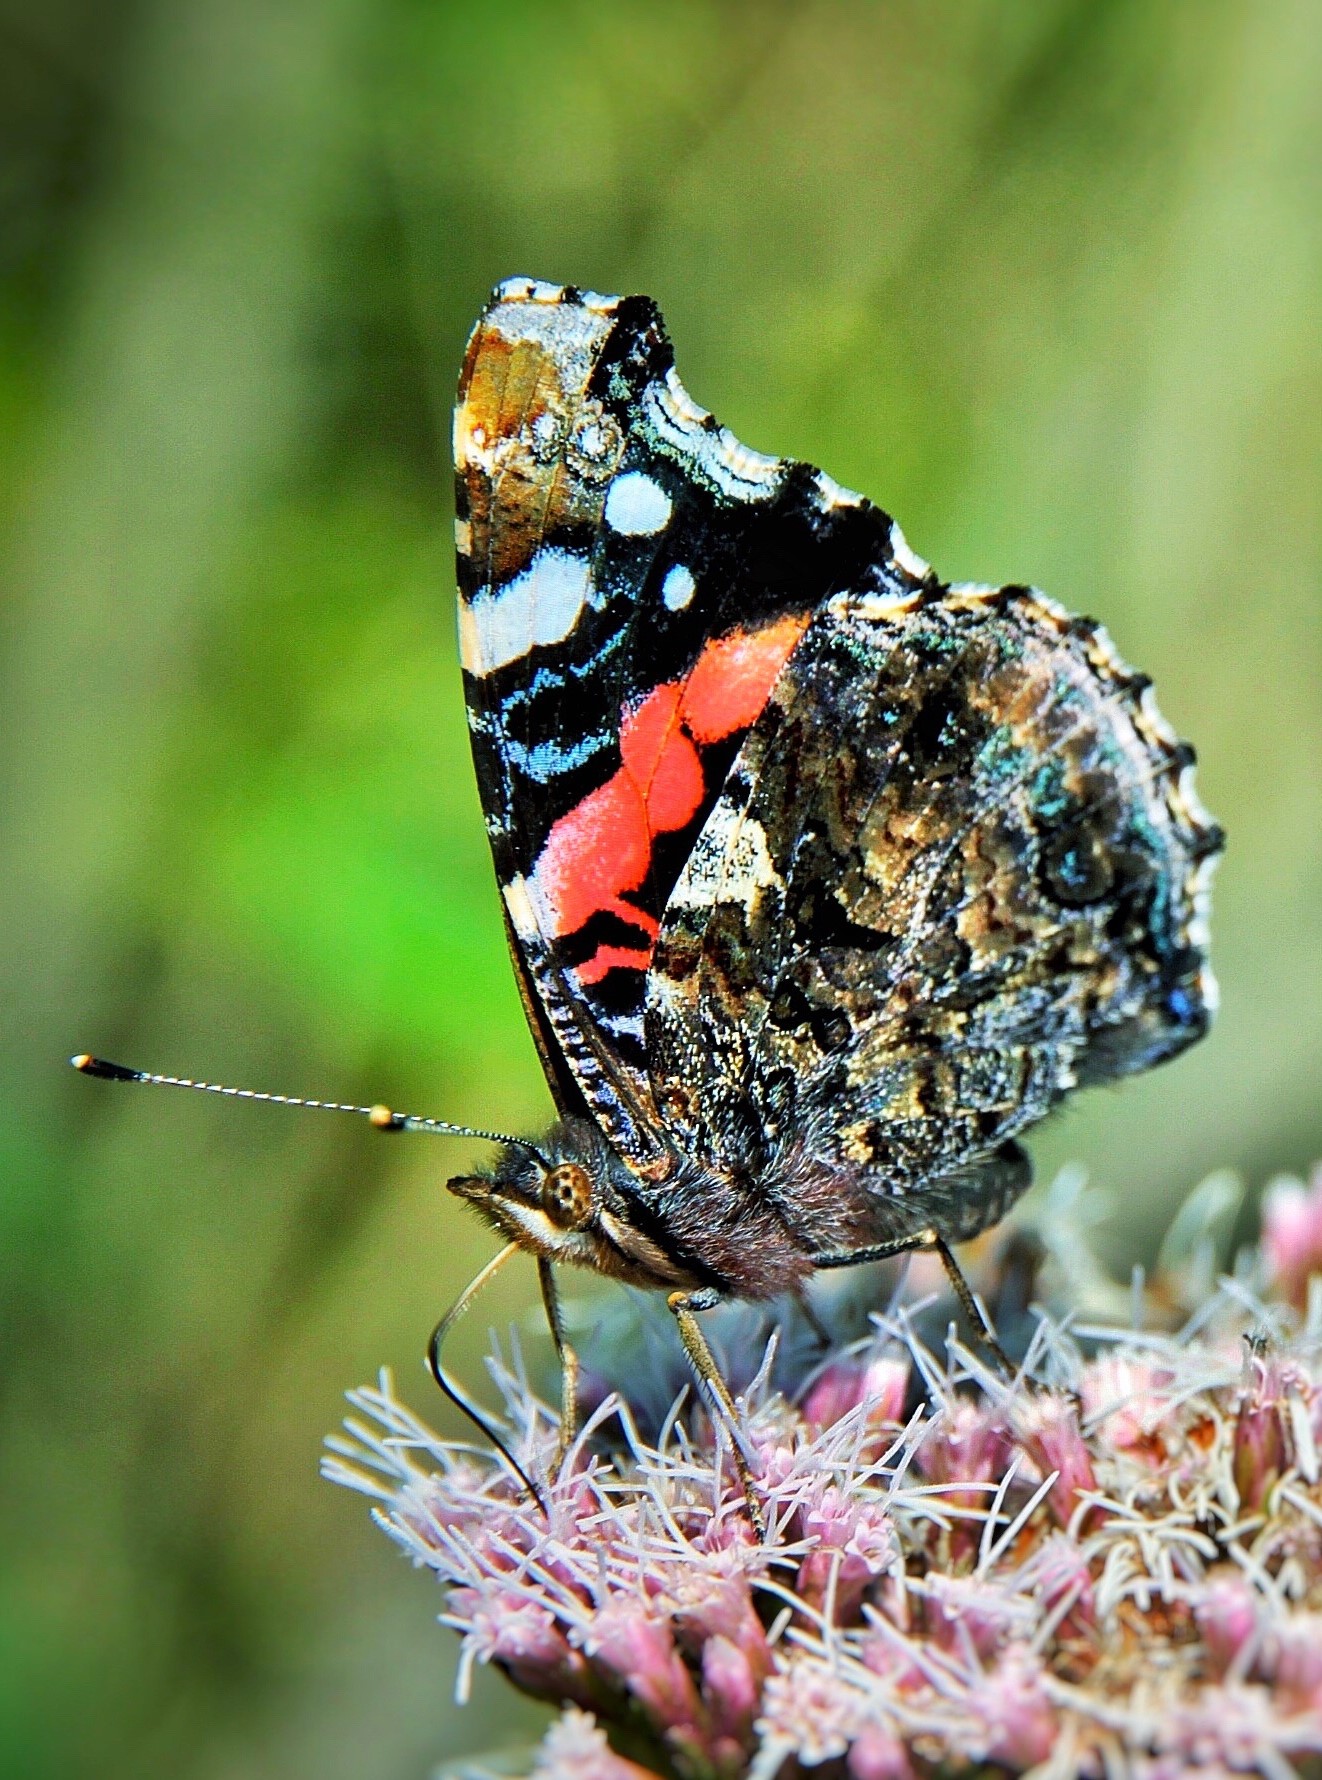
x: 380, y: 1117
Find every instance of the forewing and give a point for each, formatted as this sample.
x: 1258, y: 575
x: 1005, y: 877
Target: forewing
x: 958, y: 866
x: 632, y: 581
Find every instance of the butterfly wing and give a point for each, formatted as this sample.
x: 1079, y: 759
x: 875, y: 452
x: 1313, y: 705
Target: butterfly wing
x: 631, y: 583
x: 958, y: 866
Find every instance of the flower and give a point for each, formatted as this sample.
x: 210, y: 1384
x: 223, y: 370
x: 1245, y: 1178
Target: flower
x: 1111, y: 1564
x: 575, y: 1748
x: 1292, y: 1235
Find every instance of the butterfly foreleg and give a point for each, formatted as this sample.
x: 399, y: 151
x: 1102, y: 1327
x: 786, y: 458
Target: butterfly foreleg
x: 568, y: 1359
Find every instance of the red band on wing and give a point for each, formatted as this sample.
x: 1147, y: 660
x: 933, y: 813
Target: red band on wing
x: 602, y: 848
x: 608, y: 958
x: 732, y: 679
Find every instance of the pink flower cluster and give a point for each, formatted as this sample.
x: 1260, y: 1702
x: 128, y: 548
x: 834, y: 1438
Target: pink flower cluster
x: 1110, y: 1566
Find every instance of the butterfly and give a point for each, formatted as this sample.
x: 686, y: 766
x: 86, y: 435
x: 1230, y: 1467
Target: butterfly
x: 824, y: 879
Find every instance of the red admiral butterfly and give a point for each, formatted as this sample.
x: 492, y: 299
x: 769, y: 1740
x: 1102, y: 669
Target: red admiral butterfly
x: 824, y: 879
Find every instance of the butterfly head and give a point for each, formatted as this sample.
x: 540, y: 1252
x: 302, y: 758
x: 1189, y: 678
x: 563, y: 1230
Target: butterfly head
x: 571, y: 1199
x: 548, y: 1206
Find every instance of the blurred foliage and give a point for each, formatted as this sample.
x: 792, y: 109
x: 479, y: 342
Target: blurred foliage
x: 1042, y: 276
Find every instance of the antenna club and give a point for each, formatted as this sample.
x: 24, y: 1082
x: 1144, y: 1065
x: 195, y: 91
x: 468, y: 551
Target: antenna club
x: 86, y: 1064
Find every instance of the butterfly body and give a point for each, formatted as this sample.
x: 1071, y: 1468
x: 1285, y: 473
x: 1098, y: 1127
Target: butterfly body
x: 824, y: 879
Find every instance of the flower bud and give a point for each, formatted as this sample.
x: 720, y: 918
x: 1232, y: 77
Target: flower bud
x: 1292, y: 1236
x: 1260, y: 1442
x: 1296, y: 1662
x: 637, y: 1651
x: 526, y: 1640
x: 855, y: 1542
x: 1226, y: 1611
x: 878, y: 1754
x: 731, y: 1690
x: 967, y: 1612
x: 842, y: 1385
x: 1019, y: 1722
x: 575, y: 1748
x: 1049, y: 1429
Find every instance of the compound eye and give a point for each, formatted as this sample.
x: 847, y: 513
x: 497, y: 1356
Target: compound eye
x: 567, y: 1196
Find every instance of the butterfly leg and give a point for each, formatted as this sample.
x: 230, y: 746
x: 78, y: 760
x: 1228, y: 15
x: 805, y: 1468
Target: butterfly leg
x: 930, y: 1241
x: 568, y: 1362
x: 682, y: 1306
x: 969, y: 1304
x: 812, y: 1319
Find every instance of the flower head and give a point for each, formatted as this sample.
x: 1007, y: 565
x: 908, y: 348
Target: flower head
x: 1110, y: 1565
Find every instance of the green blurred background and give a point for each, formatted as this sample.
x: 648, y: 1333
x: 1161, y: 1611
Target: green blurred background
x: 1041, y: 276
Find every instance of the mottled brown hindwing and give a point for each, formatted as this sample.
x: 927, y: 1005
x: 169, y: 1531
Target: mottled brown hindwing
x: 958, y: 867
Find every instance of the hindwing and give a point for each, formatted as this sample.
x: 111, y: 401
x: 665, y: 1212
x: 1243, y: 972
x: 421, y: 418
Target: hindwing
x: 957, y: 867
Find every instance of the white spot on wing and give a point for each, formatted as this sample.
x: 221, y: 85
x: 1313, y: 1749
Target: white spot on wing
x: 539, y: 606
x: 525, y: 290
x: 678, y: 587
x: 537, y: 290
x: 626, y: 1025
x: 636, y: 506
x: 749, y: 866
x: 523, y: 917
x: 591, y: 439
x: 471, y: 447
x: 544, y: 432
x: 730, y: 863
